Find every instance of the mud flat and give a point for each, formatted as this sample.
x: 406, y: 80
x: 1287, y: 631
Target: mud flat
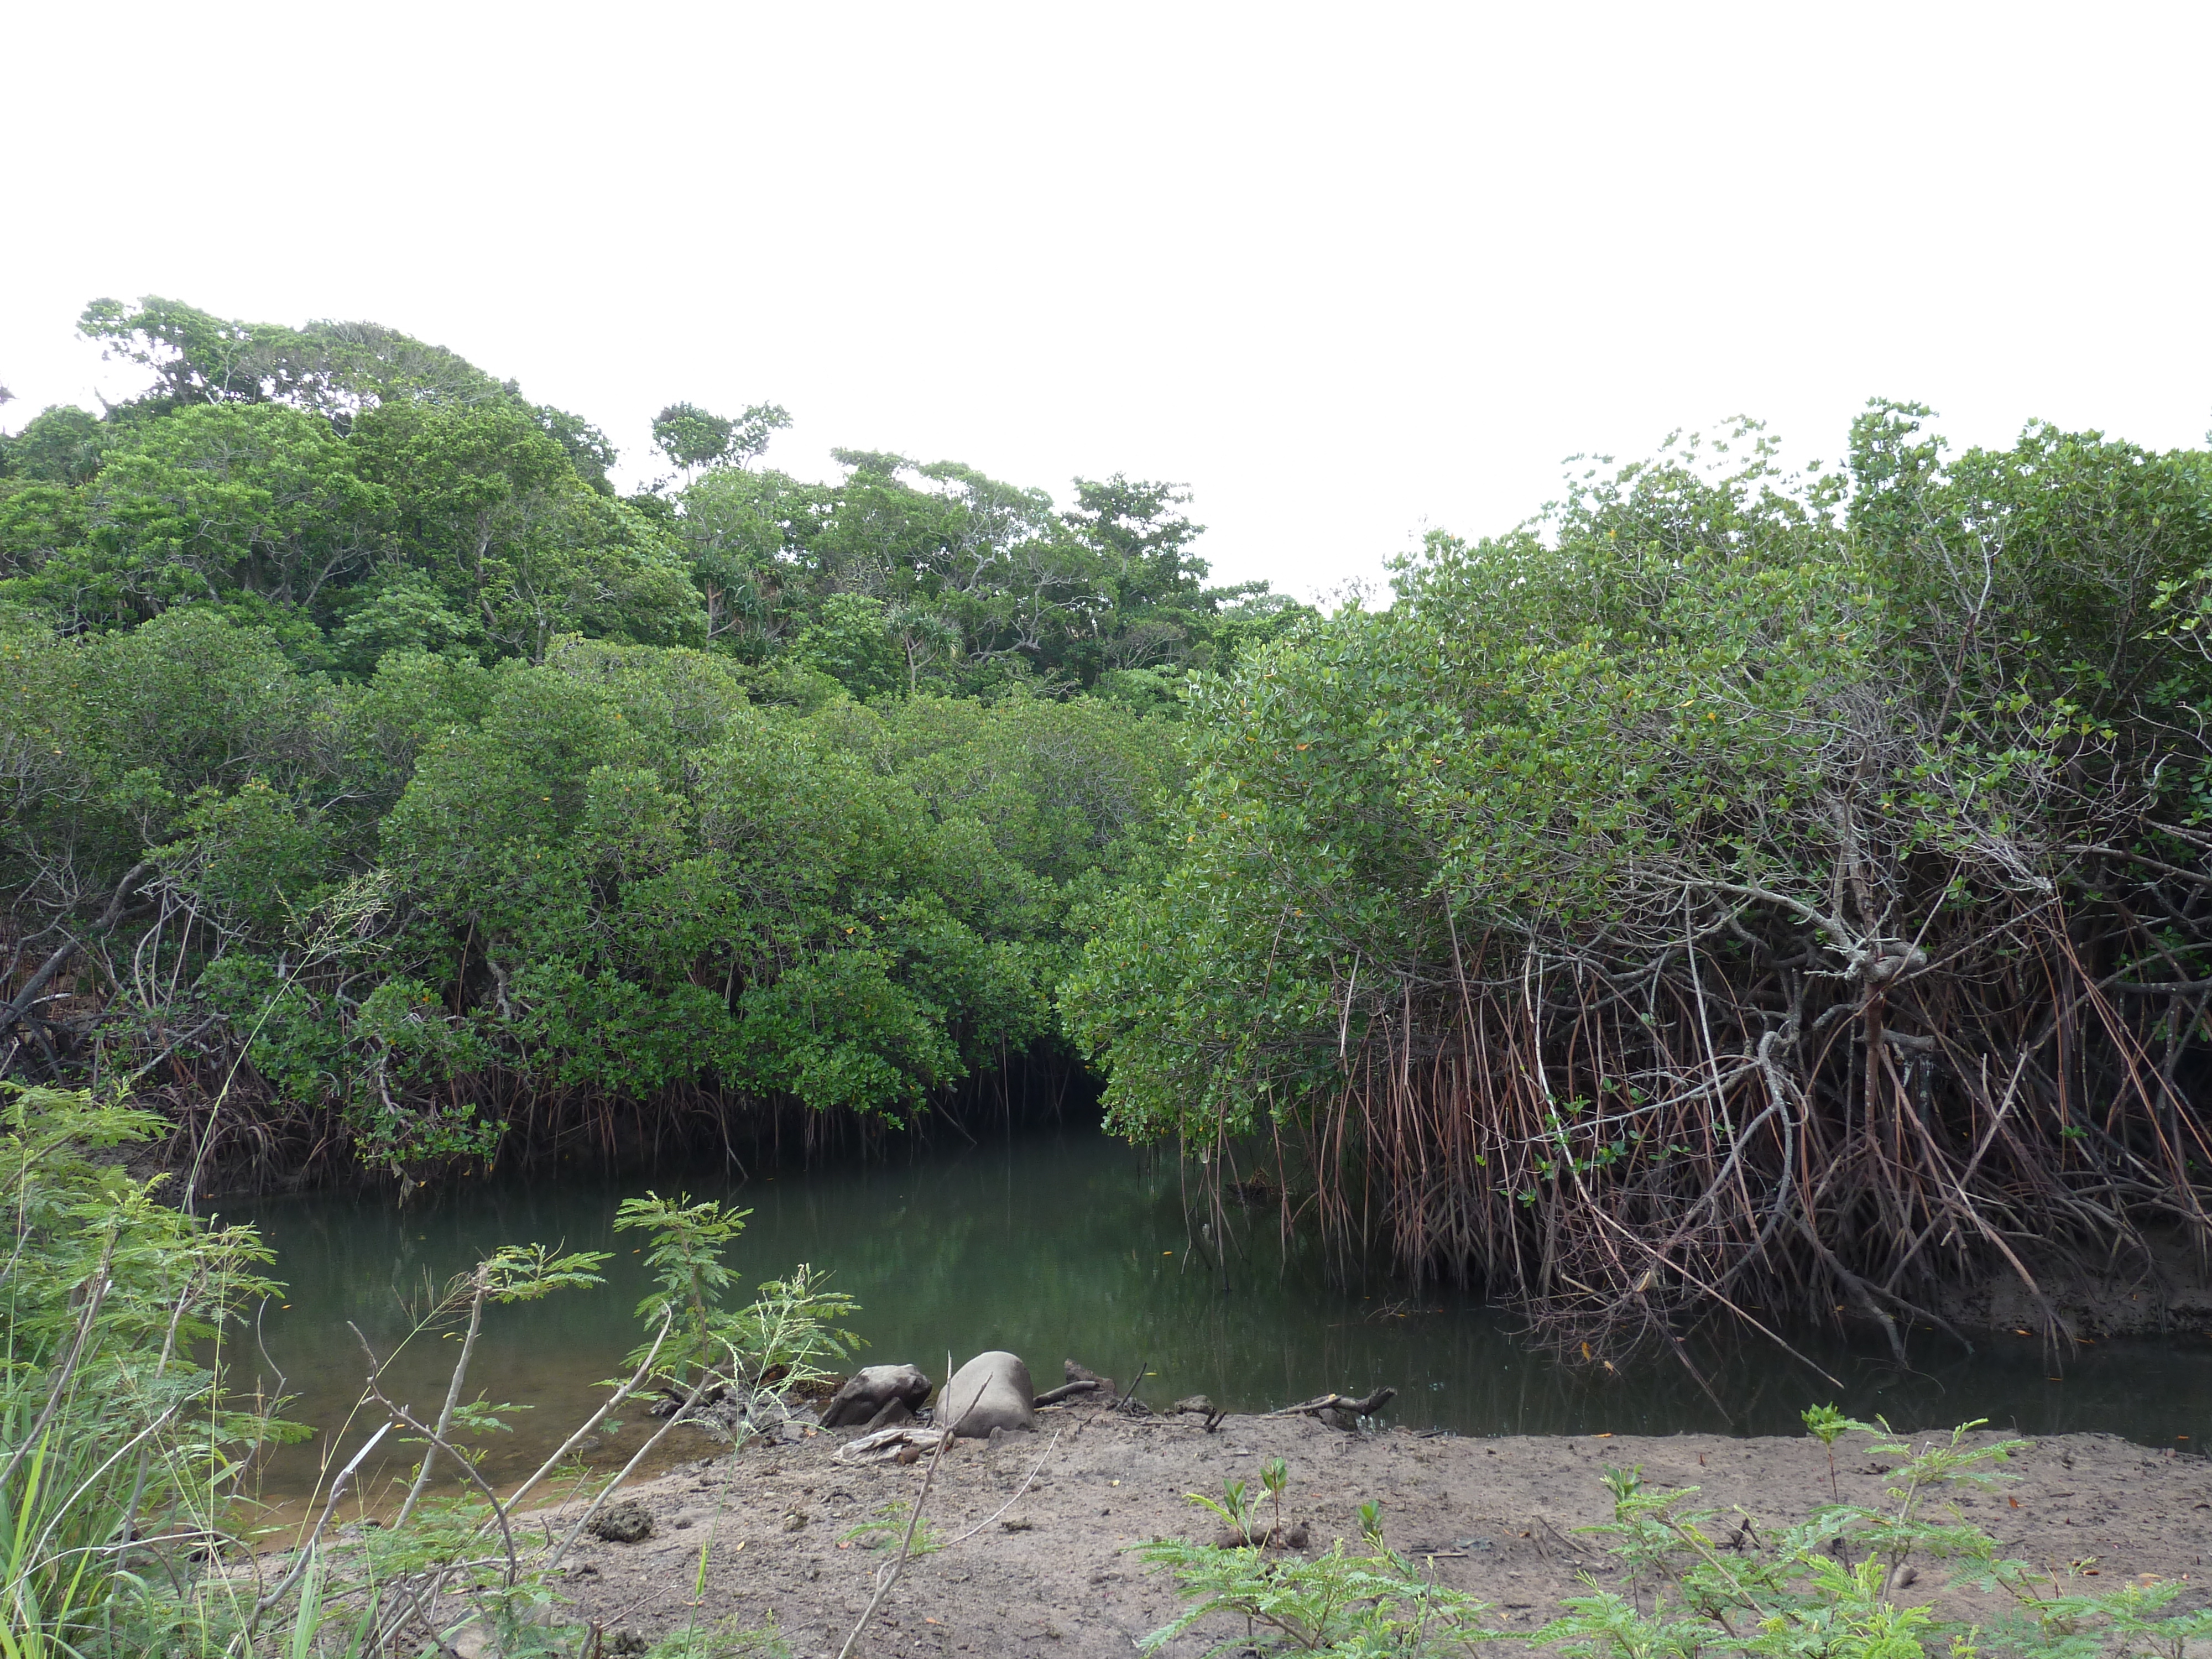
x: 1493, y: 1517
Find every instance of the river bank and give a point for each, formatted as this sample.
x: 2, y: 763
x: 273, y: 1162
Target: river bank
x: 1496, y: 1517
x: 1108, y: 1270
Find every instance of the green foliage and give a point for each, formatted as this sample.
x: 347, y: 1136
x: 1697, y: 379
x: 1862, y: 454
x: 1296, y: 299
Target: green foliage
x: 691, y: 438
x: 330, y: 369
x: 357, y: 491
x: 788, y: 1335
x: 684, y: 1251
x: 906, y: 578
x: 611, y: 872
x: 61, y: 446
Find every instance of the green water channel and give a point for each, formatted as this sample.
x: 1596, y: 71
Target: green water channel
x: 1068, y: 1244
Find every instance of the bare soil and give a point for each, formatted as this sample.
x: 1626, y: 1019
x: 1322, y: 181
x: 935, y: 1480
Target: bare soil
x: 1053, y: 1575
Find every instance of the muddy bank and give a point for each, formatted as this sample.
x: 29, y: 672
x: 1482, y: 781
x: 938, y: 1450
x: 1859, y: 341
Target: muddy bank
x: 1495, y: 1517
x: 2165, y: 1291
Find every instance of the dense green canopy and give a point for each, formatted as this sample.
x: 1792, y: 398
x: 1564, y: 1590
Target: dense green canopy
x: 356, y: 726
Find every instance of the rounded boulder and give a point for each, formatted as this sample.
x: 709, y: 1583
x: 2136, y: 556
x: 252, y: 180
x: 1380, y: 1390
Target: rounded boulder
x: 991, y: 1391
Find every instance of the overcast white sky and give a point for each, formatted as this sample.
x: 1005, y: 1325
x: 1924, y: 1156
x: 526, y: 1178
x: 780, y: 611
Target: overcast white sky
x: 1346, y: 271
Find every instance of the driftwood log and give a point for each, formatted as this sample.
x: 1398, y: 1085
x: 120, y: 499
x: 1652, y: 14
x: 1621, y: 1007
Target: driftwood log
x: 671, y: 1400
x: 1339, y: 1411
x: 1067, y: 1391
x: 1198, y: 1405
x: 1076, y: 1373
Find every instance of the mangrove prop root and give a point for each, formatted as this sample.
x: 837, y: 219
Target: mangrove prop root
x: 1763, y: 1107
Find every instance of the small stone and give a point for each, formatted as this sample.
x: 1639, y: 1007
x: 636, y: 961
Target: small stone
x: 625, y: 1523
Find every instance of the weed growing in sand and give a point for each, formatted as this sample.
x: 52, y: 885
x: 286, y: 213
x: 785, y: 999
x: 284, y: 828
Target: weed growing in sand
x: 1274, y: 1475
x: 1371, y: 1523
x: 1828, y: 1426
x: 888, y: 1525
x: 1337, y: 1602
x: 1235, y: 1506
x: 128, y: 1453
x: 1699, y: 1582
x: 124, y: 1448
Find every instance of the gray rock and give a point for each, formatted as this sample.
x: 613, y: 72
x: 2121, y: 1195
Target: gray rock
x: 991, y: 1391
x: 867, y: 1391
x: 893, y: 1413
